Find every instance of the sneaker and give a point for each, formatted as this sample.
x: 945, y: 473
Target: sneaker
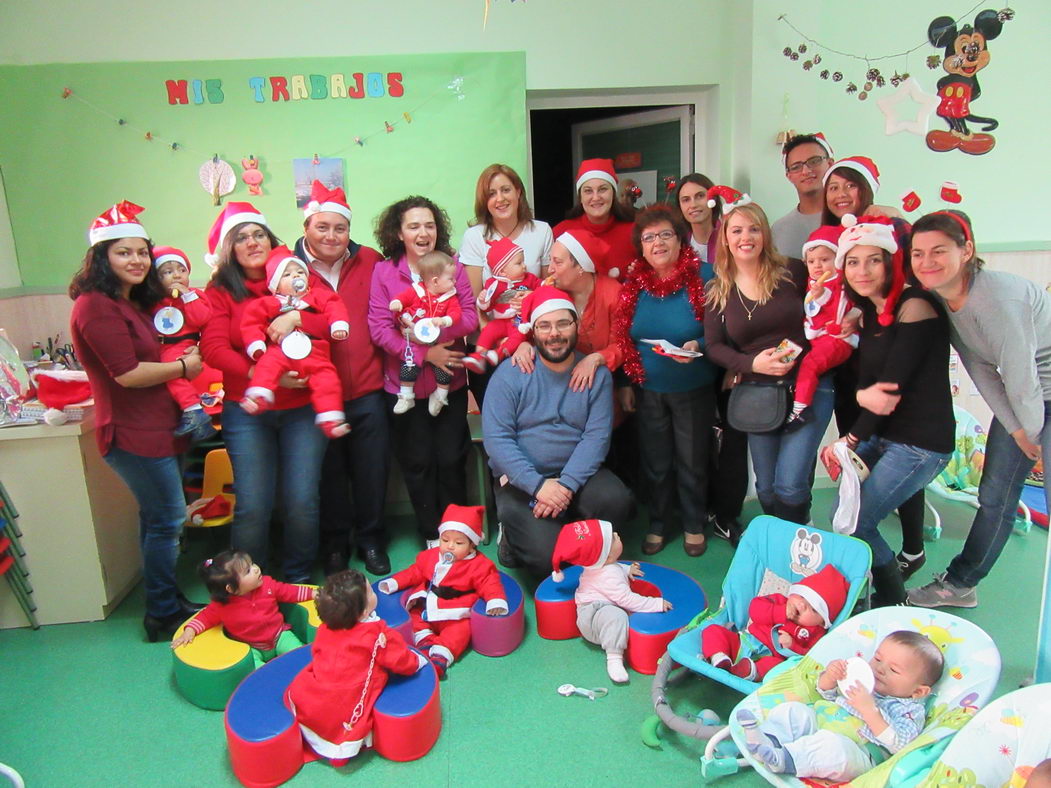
x: 403, y: 405
x: 475, y: 362
x: 203, y: 433
x: 192, y: 420
x: 943, y: 593
x: 910, y: 566
x: 729, y: 529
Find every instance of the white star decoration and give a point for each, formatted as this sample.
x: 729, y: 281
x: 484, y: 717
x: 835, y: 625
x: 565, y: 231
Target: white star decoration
x: 909, y: 89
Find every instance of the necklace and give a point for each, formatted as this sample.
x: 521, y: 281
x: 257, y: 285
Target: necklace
x: 740, y: 298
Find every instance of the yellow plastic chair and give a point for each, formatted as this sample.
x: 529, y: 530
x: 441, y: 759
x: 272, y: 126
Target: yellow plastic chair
x: 218, y: 475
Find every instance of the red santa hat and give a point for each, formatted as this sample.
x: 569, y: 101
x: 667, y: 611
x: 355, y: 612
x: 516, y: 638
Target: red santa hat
x: 169, y: 254
x: 731, y: 198
x: 826, y: 235
x: 58, y: 389
x: 117, y: 222
x: 584, y: 543
x: 206, y: 508
x: 862, y: 164
x: 825, y: 591
x: 820, y: 137
x: 587, y: 249
x: 500, y: 254
x: 233, y: 214
x: 276, y: 263
x: 875, y: 231
x: 466, y: 520
x: 323, y: 199
x: 596, y: 168
x: 540, y: 302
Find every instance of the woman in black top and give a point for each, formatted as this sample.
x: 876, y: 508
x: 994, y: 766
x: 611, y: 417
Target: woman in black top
x: 903, y: 359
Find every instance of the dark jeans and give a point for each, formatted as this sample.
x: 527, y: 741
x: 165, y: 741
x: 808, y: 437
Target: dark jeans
x: 156, y: 484
x: 675, y: 435
x: 532, y: 539
x: 1002, y: 478
x: 277, y: 449
x: 359, y: 460
x: 432, y: 453
x: 728, y: 467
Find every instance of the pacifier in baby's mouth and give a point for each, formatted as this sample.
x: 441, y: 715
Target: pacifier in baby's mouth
x: 299, y: 284
x: 448, y: 558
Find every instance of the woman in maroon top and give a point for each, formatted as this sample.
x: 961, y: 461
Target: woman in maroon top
x: 135, y: 416
x: 282, y: 447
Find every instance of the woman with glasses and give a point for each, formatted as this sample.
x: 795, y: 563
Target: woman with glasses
x: 282, y: 448
x: 673, y: 395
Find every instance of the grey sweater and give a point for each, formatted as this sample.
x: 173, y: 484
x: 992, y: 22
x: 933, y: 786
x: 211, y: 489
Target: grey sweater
x: 535, y: 428
x: 1003, y: 336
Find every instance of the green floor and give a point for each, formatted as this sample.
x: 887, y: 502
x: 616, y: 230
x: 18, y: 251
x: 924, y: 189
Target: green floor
x: 94, y: 704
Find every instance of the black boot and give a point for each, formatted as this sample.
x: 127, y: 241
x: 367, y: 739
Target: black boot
x: 888, y: 588
x: 793, y: 512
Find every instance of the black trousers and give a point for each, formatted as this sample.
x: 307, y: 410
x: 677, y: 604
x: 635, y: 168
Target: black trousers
x: 675, y: 438
x: 532, y: 539
x: 432, y: 453
x: 728, y: 469
x: 360, y: 460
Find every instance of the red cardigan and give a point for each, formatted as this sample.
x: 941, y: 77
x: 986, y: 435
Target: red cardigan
x: 252, y: 618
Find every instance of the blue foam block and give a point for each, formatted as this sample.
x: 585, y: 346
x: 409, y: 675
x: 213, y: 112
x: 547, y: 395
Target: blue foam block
x: 256, y: 711
x: 512, y: 593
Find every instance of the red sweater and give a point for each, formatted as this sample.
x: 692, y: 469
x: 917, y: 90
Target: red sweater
x: 252, y: 618
x: 616, y: 234
x: 767, y: 616
x: 111, y: 336
x: 223, y: 346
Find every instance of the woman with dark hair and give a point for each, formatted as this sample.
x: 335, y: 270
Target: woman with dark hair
x: 903, y: 347
x: 755, y: 302
x: 281, y: 448
x: 432, y: 450
x: 597, y: 210
x: 1000, y: 325
x: 135, y: 416
x: 501, y: 210
x: 674, y: 396
x: 691, y: 196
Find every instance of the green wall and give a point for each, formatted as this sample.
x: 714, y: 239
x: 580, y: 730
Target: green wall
x: 72, y: 161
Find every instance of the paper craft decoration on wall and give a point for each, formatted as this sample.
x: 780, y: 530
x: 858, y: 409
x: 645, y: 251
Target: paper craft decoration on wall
x: 217, y: 178
x: 966, y: 53
x: 252, y: 177
x: 306, y: 171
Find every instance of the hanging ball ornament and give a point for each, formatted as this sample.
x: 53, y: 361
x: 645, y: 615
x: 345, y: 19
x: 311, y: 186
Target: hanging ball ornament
x: 801, y: 49
x: 808, y: 64
x: 824, y: 74
x: 863, y: 95
x: 904, y: 76
x: 837, y: 76
x: 868, y: 87
x: 1005, y: 14
x: 817, y: 59
x: 933, y: 61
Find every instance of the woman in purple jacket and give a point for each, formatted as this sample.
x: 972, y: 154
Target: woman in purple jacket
x: 432, y: 450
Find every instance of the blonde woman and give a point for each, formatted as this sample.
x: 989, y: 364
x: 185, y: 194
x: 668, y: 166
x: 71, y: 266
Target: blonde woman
x: 755, y: 302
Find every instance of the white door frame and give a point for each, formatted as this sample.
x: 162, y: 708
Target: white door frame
x: 703, y: 98
x: 635, y: 120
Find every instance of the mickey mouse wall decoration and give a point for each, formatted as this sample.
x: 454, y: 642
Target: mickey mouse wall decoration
x: 966, y: 53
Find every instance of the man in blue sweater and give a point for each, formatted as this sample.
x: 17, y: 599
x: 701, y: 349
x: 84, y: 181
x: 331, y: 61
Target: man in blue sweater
x: 546, y: 442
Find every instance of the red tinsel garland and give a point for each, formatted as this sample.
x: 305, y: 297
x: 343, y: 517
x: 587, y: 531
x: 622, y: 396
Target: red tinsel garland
x: 642, y: 277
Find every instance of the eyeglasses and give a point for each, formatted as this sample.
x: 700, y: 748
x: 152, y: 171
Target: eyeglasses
x: 258, y: 236
x: 811, y: 164
x: 562, y: 326
x: 664, y: 235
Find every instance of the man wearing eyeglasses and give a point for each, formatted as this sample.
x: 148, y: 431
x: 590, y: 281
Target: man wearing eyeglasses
x: 546, y: 442
x: 806, y: 158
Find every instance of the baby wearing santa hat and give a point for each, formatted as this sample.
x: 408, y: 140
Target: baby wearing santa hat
x: 604, y: 596
x: 779, y: 626
x: 445, y: 582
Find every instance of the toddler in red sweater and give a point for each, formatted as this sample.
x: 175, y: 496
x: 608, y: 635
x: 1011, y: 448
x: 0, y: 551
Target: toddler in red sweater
x: 423, y: 309
x: 179, y: 318
x: 354, y: 650
x: 778, y: 626
x: 244, y: 603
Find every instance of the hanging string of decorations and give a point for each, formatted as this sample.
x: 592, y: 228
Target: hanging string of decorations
x: 872, y: 78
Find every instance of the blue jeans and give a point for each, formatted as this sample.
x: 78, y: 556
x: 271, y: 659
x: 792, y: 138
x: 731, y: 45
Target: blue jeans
x: 896, y: 472
x: 279, y: 448
x: 1002, y: 478
x: 783, y: 462
x: 156, y: 484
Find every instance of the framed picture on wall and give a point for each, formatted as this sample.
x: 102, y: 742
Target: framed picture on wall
x: 306, y: 171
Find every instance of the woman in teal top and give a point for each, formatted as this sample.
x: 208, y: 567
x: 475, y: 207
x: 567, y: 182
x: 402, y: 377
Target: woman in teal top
x: 674, y: 396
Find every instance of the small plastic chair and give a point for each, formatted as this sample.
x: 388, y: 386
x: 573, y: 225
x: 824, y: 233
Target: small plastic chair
x: 218, y: 476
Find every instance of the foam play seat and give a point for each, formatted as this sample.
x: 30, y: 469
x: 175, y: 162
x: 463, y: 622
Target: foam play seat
x: 648, y: 633
x: 265, y: 743
x: 497, y: 636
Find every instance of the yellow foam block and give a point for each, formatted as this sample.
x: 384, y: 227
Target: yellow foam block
x: 211, y: 650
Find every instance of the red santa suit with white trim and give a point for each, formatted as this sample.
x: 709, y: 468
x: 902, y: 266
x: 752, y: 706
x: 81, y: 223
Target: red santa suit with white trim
x: 443, y: 591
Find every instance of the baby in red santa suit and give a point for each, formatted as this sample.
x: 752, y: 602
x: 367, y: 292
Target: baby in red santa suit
x: 604, y: 596
x: 309, y: 357
x: 244, y: 604
x: 333, y: 696
x: 445, y: 582
x: 179, y: 318
x: 779, y: 626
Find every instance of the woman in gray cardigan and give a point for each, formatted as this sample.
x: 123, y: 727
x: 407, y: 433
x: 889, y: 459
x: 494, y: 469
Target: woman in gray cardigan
x: 1001, y: 327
